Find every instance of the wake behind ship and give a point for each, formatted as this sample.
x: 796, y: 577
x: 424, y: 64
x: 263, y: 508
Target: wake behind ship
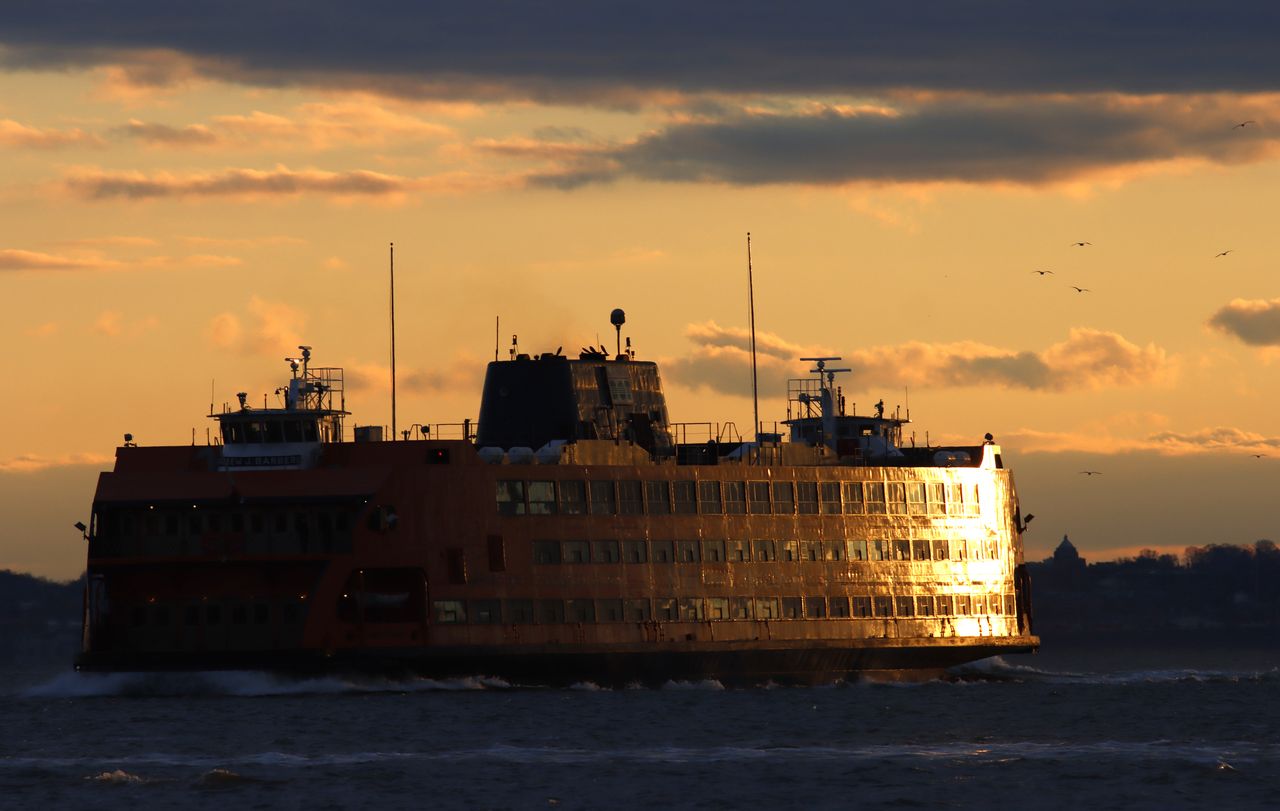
x: 573, y: 533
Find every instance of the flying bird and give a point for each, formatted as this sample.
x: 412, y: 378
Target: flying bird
x: 1091, y: 472
x: 1259, y: 455
x: 1080, y: 289
x: 1224, y: 253
x: 1042, y: 272
x: 1080, y: 244
x: 1244, y: 123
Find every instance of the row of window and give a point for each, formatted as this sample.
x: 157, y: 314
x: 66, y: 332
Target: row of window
x: 698, y: 609
x: 199, y: 520
x: 725, y: 551
x: 689, y: 497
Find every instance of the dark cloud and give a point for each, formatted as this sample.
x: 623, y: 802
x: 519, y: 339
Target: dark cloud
x: 963, y: 138
x: 1087, y: 359
x: 1255, y: 322
x: 584, y: 48
x: 281, y: 181
x: 195, y: 134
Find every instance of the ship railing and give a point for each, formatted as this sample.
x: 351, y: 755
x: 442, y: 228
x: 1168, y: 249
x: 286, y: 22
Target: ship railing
x: 435, y: 430
x: 685, y: 433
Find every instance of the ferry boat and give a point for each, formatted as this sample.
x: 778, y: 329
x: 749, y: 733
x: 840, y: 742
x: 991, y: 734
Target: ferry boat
x: 572, y: 533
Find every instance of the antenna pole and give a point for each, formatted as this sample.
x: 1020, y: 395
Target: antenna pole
x: 755, y: 390
x: 393, y: 341
x: 497, y: 325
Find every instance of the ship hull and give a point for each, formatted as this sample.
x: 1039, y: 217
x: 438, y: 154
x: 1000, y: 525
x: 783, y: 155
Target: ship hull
x: 731, y: 664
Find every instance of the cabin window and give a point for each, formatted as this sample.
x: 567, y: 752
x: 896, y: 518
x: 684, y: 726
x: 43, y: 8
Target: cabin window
x: 692, y: 609
x: 940, y: 549
x: 920, y: 550
x: 688, y: 552
x: 550, y: 612
x: 714, y: 552
x: 833, y: 550
x: 605, y: 552
x: 664, y: 552
x: 963, y: 605
x: 959, y: 550
x: 237, y: 522
x: 282, y: 522
x: 902, y: 550
x: 686, y: 496
x: 792, y: 608
x: 603, y: 499
x: 971, y: 503
x: 449, y: 611
x: 738, y: 551
x: 838, y: 606
x: 573, y: 497
x: 764, y: 550
x: 882, y: 606
x: 735, y: 498
x: 232, y: 433
x: 874, y: 494
x: 658, y: 494
x: 979, y: 604
x: 896, y: 498
x: 239, y: 614
x: 292, y: 431
x: 917, y: 504
x: 497, y: 554
x: 630, y: 497
x: 635, y: 552
x: 520, y: 612
x: 924, y: 605
x: 810, y: 551
x: 486, y: 612
x: 638, y: 611
x: 937, y: 498
x: 309, y: 432
x: 665, y: 609
x: 546, y: 551
x: 945, y: 606
x: 881, y: 550
x: 904, y: 606
x: 790, y: 551
x: 861, y: 606
x: 955, y: 499
x: 511, y: 497
x: 718, y: 608
x: 609, y: 610
x: 740, y: 608
x: 457, y: 565
x: 256, y: 523
x: 806, y: 498
x: 709, y: 497
x: 758, y: 494
x: 768, y: 608
x: 575, y: 552
x: 853, y: 503
x: 857, y: 550
x: 261, y: 614
x: 255, y: 432
x: 830, y: 492
x: 542, y: 498
x: 815, y: 607
x: 581, y: 610
x: 784, y: 498
x: 1010, y: 605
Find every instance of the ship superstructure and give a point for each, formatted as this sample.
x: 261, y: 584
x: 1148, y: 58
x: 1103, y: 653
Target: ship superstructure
x: 573, y: 533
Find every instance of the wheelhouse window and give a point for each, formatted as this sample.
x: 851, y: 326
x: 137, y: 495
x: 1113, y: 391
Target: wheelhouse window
x: 709, y: 497
x: 542, y: 498
x: 896, y: 498
x: 917, y: 503
x: 573, y: 497
x: 630, y: 497
x: 659, y: 497
x: 874, y: 493
x: 853, y: 504
x: 784, y: 498
x: 511, y: 497
x: 685, y: 492
x: 603, y: 499
x: 807, y: 497
x: 830, y: 492
x: 758, y: 495
x: 735, y: 498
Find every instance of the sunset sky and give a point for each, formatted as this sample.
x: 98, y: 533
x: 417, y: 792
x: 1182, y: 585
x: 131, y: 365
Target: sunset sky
x: 191, y: 191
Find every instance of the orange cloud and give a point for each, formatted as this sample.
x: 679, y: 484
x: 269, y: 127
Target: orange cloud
x: 14, y: 134
x: 1255, y: 322
x: 112, y: 324
x: 464, y: 373
x: 1101, y: 440
x: 273, y: 328
x: 30, y: 463
x: 35, y: 261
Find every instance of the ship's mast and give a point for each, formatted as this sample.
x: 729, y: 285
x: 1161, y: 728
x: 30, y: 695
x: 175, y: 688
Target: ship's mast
x: 393, y: 341
x: 755, y: 390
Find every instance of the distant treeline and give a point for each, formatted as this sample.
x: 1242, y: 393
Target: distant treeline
x: 1216, y: 587
x: 39, y: 619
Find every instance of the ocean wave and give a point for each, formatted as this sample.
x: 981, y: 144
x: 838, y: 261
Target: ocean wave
x: 117, y: 777
x: 240, y: 684
x: 996, y: 668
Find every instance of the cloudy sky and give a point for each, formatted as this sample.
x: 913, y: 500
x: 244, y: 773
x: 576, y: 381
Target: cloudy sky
x: 192, y: 191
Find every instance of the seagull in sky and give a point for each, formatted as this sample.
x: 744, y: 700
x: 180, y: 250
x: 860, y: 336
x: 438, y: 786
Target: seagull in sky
x: 1243, y: 124
x: 1258, y: 455
x: 1091, y: 472
x: 1042, y: 272
x: 1080, y: 244
x: 1080, y: 289
x: 1224, y: 253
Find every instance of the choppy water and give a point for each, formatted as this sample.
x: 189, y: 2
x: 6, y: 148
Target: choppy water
x: 1099, y: 731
